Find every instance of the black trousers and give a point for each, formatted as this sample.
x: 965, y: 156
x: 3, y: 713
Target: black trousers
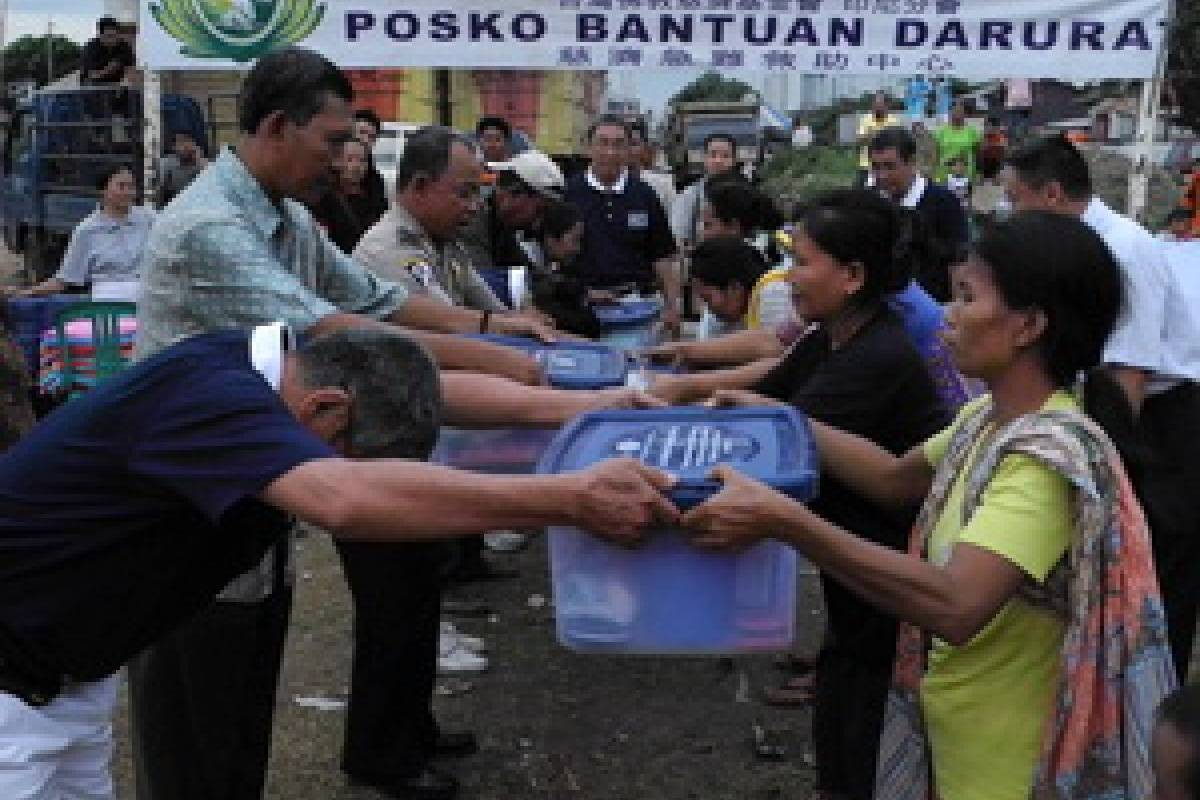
x: 397, y: 595
x: 203, y: 700
x: 1169, y: 487
x: 847, y: 722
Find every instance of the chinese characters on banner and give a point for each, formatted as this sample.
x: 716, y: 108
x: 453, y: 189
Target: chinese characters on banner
x: 1066, y: 39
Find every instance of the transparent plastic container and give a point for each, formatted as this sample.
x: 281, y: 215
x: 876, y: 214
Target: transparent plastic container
x: 630, y: 323
x: 571, y: 364
x: 667, y: 597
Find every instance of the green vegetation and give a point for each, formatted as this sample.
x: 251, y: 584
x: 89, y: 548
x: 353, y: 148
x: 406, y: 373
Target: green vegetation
x: 795, y: 176
x: 26, y: 58
x: 712, y: 87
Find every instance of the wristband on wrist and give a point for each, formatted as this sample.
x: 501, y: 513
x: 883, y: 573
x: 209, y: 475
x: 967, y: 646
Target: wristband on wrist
x: 485, y: 319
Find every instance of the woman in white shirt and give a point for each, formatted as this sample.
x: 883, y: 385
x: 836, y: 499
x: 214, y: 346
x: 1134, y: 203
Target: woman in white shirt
x: 106, y: 246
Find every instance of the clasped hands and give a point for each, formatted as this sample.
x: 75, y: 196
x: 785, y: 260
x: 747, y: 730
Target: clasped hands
x: 623, y: 498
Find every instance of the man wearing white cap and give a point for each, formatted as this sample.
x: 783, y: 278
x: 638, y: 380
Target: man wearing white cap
x: 525, y: 185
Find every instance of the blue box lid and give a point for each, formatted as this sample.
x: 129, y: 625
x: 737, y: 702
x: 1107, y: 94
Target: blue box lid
x: 627, y: 315
x: 773, y: 445
x: 571, y: 364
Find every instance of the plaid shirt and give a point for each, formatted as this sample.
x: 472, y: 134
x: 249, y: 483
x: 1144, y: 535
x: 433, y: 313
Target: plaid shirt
x: 223, y: 255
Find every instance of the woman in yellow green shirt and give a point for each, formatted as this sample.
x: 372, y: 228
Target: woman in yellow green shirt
x: 1046, y: 649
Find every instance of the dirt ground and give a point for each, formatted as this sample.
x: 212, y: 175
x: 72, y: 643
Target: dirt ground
x: 552, y: 724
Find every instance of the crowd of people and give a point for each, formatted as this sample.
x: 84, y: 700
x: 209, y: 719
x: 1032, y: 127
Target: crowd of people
x: 1003, y: 407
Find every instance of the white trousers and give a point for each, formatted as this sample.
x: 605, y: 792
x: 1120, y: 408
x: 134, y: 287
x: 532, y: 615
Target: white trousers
x: 61, y: 751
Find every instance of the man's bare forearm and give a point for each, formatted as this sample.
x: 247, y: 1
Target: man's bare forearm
x: 402, y: 500
x: 474, y: 400
x: 427, y: 314
x: 450, y: 352
x: 667, y: 272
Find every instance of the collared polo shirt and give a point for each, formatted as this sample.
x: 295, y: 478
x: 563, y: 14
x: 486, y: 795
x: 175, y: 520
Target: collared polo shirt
x: 625, y: 231
x: 104, y: 252
x: 1140, y: 336
x: 126, y: 510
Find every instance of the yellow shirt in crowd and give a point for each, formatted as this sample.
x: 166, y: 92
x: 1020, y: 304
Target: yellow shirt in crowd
x: 986, y: 703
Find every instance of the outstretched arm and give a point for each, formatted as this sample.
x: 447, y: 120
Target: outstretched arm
x: 392, y: 500
x: 953, y: 602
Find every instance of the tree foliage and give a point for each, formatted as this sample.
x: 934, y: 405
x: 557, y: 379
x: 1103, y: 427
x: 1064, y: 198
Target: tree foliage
x: 1183, y: 64
x: 26, y: 58
x: 711, y: 87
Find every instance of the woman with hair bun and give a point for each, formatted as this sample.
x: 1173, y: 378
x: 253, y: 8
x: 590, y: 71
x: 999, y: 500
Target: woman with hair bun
x: 858, y: 371
x: 1034, y: 651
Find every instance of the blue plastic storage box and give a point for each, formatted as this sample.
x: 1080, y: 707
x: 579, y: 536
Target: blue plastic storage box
x: 571, y: 364
x: 502, y: 451
x: 515, y: 451
x: 629, y: 324
x: 667, y: 596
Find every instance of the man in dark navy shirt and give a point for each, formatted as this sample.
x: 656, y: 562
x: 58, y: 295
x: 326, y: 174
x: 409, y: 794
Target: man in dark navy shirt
x: 939, y: 221
x: 626, y: 236
x: 127, y: 510
x: 108, y: 58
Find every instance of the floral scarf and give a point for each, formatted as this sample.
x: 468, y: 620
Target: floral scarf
x: 1116, y: 665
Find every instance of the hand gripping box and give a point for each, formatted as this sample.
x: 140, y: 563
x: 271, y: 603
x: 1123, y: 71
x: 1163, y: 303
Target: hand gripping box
x: 666, y: 596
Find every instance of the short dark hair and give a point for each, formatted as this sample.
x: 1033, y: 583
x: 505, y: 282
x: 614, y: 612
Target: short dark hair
x: 393, y: 384
x: 894, y: 138
x: 368, y: 115
x: 723, y: 261
x: 427, y: 152
x: 734, y: 199
x: 1181, y: 710
x: 861, y: 225
x: 1053, y: 159
x: 559, y: 217
x: 107, y: 23
x: 721, y: 136
x: 608, y: 121
x: 1056, y: 263
x: 110, y: 171
x: 293, y: 80
x: 493, y: 123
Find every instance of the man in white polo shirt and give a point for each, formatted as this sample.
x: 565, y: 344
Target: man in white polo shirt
x: 1151, y: 354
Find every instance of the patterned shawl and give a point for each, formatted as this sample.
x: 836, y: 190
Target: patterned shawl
x: 1116, y: 664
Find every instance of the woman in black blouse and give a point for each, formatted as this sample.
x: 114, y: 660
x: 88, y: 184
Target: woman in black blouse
x: 857, y: 371
x: 351, y: 206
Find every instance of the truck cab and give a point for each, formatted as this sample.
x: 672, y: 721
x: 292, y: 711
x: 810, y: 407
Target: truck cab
x: 56, y: 145
x: 691, y: 123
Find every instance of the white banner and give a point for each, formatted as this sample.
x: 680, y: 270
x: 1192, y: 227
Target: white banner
x: 976, y: 39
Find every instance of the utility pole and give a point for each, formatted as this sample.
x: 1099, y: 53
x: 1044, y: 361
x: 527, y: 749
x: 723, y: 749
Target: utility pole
x: 50, y: 50
x: 441, y: 91
x: 1147, y: 126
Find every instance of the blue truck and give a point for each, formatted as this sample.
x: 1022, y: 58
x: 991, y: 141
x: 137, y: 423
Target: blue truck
x: 56, y: 144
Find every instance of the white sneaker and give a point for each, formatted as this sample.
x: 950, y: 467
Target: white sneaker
x: 459, y: 659
x: 506, y: 541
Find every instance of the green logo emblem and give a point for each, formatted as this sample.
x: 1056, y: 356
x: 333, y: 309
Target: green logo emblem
x: 239, y: 30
